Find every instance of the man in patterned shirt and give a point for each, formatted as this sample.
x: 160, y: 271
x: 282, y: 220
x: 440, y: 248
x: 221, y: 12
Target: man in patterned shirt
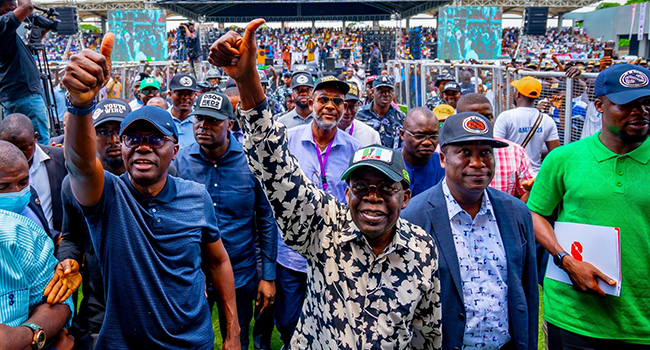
x: 512, y: 167
x: 371, y: 281
x: 486, y: 241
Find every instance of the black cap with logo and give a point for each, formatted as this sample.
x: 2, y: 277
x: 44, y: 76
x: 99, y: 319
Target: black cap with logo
x: 332, y: 81
x: 110, y: 110
x: 353, y: 94
x: 213, y: 104
x: 466, y: 127
x: 302, y: 79
x: 383, y: 80
x: 183, y: 82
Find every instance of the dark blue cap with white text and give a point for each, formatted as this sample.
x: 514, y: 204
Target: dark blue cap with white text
x: 623, y: 83
x: 157, y: 116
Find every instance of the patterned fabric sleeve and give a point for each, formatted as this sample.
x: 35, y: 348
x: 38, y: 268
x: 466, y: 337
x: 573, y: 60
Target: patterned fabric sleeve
x: 524, y: 171
x: 427, y: 321
x: 301, y: 209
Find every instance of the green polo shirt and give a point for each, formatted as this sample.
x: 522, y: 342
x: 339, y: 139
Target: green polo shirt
x: 593, y: 185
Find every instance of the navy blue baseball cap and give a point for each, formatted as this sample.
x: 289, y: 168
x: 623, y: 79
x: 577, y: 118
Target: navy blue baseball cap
x: 157, y: 116
x: 623, y: 83
x: 467, y: 127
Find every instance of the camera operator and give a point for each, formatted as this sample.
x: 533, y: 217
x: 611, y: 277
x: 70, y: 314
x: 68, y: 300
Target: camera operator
x: 193, y: 45
x: 20, y: 84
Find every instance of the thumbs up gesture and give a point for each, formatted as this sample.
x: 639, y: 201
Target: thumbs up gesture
x: 87, y: 72
x: 236, y: 54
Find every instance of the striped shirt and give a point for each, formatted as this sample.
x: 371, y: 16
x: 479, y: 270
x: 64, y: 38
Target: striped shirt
x: 26, y: 266
x: 512, y: 167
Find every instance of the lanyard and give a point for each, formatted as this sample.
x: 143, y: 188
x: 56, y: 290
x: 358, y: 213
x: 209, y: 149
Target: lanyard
x: 352, y: 128
x: 323, y: 161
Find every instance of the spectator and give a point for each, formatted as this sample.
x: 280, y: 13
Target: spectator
x: 517, y: 124
x: 302, y: 86
x: 359, y: 130
x: 381, y: 115
x: 420, y: 140
x: 182, y: 91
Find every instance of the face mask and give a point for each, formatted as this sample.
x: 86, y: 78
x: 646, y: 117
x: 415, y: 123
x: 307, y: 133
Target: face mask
x: 15, y: 201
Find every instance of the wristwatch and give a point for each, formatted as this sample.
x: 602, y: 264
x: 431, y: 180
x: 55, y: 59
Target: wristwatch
x: 557, y: 258
x: 76, y: 110
x: 38, y: 340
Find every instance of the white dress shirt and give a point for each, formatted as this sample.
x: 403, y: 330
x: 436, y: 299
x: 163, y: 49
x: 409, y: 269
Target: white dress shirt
x: 364, y: 133
x: 40, y: 181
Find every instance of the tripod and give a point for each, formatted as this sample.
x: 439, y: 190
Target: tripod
x: 38, y: 49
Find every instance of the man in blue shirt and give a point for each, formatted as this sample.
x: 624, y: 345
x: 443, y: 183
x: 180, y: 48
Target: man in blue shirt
x: 323, y: 153
x: 182, y: 91
x: 150, y: 230
x: 26, y: 262
x: 420, y: 139
x: 244, y: 214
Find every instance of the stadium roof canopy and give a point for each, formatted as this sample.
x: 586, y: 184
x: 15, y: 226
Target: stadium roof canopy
x: 303, y: 10
x: 555, y: 7
x: 297, y: 10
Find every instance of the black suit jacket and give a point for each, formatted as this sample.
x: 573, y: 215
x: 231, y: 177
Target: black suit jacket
x: 35, y: 205
x: 429, y: 211
x: 56, y: 171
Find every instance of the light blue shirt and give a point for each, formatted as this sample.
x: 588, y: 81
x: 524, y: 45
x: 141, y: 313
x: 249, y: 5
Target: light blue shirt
x: 185, y: 129
x: 301, y: 144
x: 483, y: 273
x: 27, y: 264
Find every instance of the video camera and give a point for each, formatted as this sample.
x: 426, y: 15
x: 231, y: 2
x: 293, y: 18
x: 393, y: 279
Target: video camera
x: 46, y: 21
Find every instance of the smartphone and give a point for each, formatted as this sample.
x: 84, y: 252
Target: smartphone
x: 608, y: 52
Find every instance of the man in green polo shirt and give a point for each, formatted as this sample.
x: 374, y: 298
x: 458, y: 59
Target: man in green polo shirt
x: 601, y: 180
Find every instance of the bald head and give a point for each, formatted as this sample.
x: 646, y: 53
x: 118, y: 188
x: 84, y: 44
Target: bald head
x: 158, y: 102
x: 10, y: 157
x: 19, y: 130
x: 15, y: 125
x: 420, y: 115
x: 477, y: 103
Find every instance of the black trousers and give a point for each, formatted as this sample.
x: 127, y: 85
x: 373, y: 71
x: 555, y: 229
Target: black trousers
x: 561, y: 339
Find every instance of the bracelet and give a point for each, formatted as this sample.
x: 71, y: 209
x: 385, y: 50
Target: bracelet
x: 79, y: 111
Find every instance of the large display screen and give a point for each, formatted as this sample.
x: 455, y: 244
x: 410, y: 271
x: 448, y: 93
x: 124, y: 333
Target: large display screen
x: 469, y: 32
x: 139, y: 35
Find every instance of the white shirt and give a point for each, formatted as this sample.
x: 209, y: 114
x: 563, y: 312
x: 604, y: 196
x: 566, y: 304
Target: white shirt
x: 483, y: 273
x: 135, y: 105
x: 514, y: 125
x: 40, y: 181
x: 357, y: 81
x: 363, y: 133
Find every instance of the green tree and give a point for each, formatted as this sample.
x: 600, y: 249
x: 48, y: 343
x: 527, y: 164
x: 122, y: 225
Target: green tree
x: 605, y: 5
x: 629, y: 2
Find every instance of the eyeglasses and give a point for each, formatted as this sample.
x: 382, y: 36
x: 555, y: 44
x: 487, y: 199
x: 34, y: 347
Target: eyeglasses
x: 107, y: 134
x: 337, y: 101
x: 422, y: 137
x: 362, y: 189
x: 154, y: 141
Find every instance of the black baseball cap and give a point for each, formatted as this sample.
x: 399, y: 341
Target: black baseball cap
x: 444, y: 77
x: 302, y: 79
x: 452, y: 86
x: 183, y: 81
x: 157, y: 116
x: 110, y: 110
x: 213, y: 104
x: 623, y: 83
x: 388, y: 161
x: 468, y: 126
x: 353, y: 93
x: 383, y: 80
x: 333, y: 82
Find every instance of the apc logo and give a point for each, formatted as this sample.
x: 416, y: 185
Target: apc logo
x: 475, y: 125
x: 576, y: 250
